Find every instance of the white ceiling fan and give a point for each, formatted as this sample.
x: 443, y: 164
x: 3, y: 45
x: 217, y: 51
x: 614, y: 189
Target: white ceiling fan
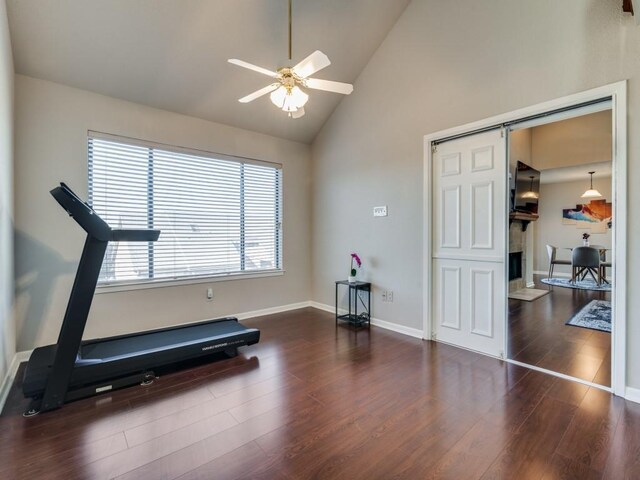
x: 287, y: 92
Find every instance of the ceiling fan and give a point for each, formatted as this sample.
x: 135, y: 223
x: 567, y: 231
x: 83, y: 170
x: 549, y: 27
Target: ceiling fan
x: 287, y: 91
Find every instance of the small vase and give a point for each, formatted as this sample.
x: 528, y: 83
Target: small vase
x: 352, y: 279
x: 585, y: 243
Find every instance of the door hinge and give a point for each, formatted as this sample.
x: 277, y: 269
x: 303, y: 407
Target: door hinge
x: 434, y: 147
x: 501, y: 132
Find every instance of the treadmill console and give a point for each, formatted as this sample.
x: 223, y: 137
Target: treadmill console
x: 82, y: 213
x: 91, y: 222
x: 65, y: 188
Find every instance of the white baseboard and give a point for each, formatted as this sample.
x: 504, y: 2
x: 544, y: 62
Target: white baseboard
x: 632, y: 394
x: 555, y: 274
x: 394, y: 327
x: 322, y: 306
x: 271, y: 310
x: 18, y: 358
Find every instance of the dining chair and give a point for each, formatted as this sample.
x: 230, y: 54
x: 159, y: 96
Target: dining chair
x: 553, y: 260
x: 585, y: 260
x: 604, y: 265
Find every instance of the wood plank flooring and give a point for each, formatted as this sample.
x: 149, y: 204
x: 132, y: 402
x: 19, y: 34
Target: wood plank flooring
x: 538, y: 335
x: 315, y: 401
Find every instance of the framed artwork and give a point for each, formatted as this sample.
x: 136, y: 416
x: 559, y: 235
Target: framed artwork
x: 595, y: 216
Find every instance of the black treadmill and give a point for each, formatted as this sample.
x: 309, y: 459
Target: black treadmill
x: 74, y: 369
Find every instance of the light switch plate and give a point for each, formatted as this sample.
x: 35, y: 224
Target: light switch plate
x: 380, y: 211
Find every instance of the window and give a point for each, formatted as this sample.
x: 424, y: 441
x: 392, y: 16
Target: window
x: 218, y: 215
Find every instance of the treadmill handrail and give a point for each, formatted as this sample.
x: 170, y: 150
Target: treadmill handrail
x: 126, y: 235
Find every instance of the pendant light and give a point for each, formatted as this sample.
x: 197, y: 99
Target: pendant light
x: 591, y: 192
x: 530, y: 194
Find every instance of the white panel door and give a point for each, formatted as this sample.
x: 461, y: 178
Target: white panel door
x: 469, y: 221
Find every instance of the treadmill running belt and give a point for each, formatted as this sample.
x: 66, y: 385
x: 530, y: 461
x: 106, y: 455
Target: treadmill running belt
x: 144, y: 342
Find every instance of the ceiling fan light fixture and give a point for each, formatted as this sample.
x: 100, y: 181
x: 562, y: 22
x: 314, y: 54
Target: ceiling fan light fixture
x: 286, y: 93
x: 289, y: 99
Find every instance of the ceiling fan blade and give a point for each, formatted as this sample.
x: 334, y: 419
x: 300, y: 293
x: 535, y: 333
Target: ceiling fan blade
x: 312, y: 64
x: 329, y: 86
x: 298, y: 113
x: 255, y: 68
x: 259, y: 93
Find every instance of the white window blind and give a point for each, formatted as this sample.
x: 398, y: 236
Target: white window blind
x: 217, y: 216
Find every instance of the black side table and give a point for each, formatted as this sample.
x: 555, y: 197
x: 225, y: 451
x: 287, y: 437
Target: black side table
x: 353, y: 317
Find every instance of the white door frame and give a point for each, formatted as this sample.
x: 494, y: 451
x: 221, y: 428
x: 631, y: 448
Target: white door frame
x: 618, y: 93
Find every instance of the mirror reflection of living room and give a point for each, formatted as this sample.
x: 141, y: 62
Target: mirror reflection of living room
x: 560, y: 246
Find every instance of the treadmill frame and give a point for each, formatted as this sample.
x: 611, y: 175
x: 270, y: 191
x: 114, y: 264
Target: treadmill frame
x: 73, y: 325
x: 84, y: 286
x: 62, y: 363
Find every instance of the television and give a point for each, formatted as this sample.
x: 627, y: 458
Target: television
x: 526, y: 193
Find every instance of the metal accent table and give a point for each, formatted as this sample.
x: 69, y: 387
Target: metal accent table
x: 353, y: 317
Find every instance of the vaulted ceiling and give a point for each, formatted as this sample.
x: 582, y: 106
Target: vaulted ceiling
x: 172, y: 54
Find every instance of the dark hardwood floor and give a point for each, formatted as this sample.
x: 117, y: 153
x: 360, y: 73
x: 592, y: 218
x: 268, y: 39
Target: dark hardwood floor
x: 538, y: 335
x: 315, y: 401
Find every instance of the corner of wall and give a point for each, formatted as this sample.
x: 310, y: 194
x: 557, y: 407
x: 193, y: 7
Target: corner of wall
x: 7, y: 79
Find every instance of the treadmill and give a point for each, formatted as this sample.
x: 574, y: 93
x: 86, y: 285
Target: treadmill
x: 73, y: 369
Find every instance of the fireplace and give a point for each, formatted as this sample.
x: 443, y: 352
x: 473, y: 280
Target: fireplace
x: 519, y: 274
x: 515, y: 265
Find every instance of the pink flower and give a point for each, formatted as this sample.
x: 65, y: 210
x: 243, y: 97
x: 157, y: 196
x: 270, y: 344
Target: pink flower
x: 354, y: 256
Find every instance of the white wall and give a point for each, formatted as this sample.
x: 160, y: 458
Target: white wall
x: 7, y: 330
x: 51, y: 137
x: 445, y: 64
x: 550, y: 229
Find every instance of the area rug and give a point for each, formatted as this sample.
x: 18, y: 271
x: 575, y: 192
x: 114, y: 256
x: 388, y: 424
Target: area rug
x: 595, y: 315
x: 528, y: 294
x: 586, y: 284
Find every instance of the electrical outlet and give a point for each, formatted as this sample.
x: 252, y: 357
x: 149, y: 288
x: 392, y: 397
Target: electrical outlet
x: 384, y: 295
x: 390, y: 296
x: 209, y: 294
x: 380, y: 211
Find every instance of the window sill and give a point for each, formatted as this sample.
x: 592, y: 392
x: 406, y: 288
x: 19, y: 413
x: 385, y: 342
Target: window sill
x: 143, y: 285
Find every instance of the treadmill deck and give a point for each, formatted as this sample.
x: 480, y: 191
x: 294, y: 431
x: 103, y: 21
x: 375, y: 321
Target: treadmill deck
x: 114, y: 357
x: 144, y: 343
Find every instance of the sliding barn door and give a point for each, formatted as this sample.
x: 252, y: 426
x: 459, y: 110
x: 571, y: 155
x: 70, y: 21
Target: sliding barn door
x: 469, y: 230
